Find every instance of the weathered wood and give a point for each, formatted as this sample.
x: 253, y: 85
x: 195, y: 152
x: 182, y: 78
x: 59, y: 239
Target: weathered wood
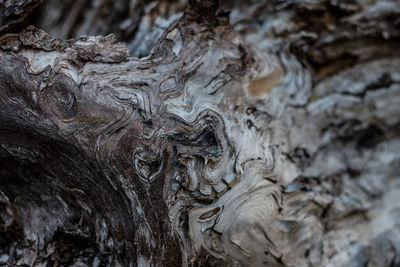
x: 14, y: 11
x: 138, y: 23
x: 270, y: 140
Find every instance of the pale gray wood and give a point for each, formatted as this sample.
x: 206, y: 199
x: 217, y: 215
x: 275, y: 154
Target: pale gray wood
x: 269, y: 140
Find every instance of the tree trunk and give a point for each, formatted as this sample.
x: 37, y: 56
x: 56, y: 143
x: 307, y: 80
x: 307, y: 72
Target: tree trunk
x: 236, y: 134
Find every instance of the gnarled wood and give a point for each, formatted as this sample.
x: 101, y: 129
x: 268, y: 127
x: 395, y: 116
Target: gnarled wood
x: 211, y: 150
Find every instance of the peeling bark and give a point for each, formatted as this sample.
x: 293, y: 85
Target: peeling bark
x: 267, y: 136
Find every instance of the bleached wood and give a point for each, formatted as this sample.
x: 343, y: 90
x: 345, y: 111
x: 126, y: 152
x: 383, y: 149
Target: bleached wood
x: 233, y: 143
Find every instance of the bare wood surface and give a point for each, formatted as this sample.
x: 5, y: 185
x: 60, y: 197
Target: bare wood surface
x: 267, y: 136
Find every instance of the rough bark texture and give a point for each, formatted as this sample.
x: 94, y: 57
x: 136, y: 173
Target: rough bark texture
x: 264, y: 136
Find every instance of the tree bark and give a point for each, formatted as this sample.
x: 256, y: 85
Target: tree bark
x: 247, y: 134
